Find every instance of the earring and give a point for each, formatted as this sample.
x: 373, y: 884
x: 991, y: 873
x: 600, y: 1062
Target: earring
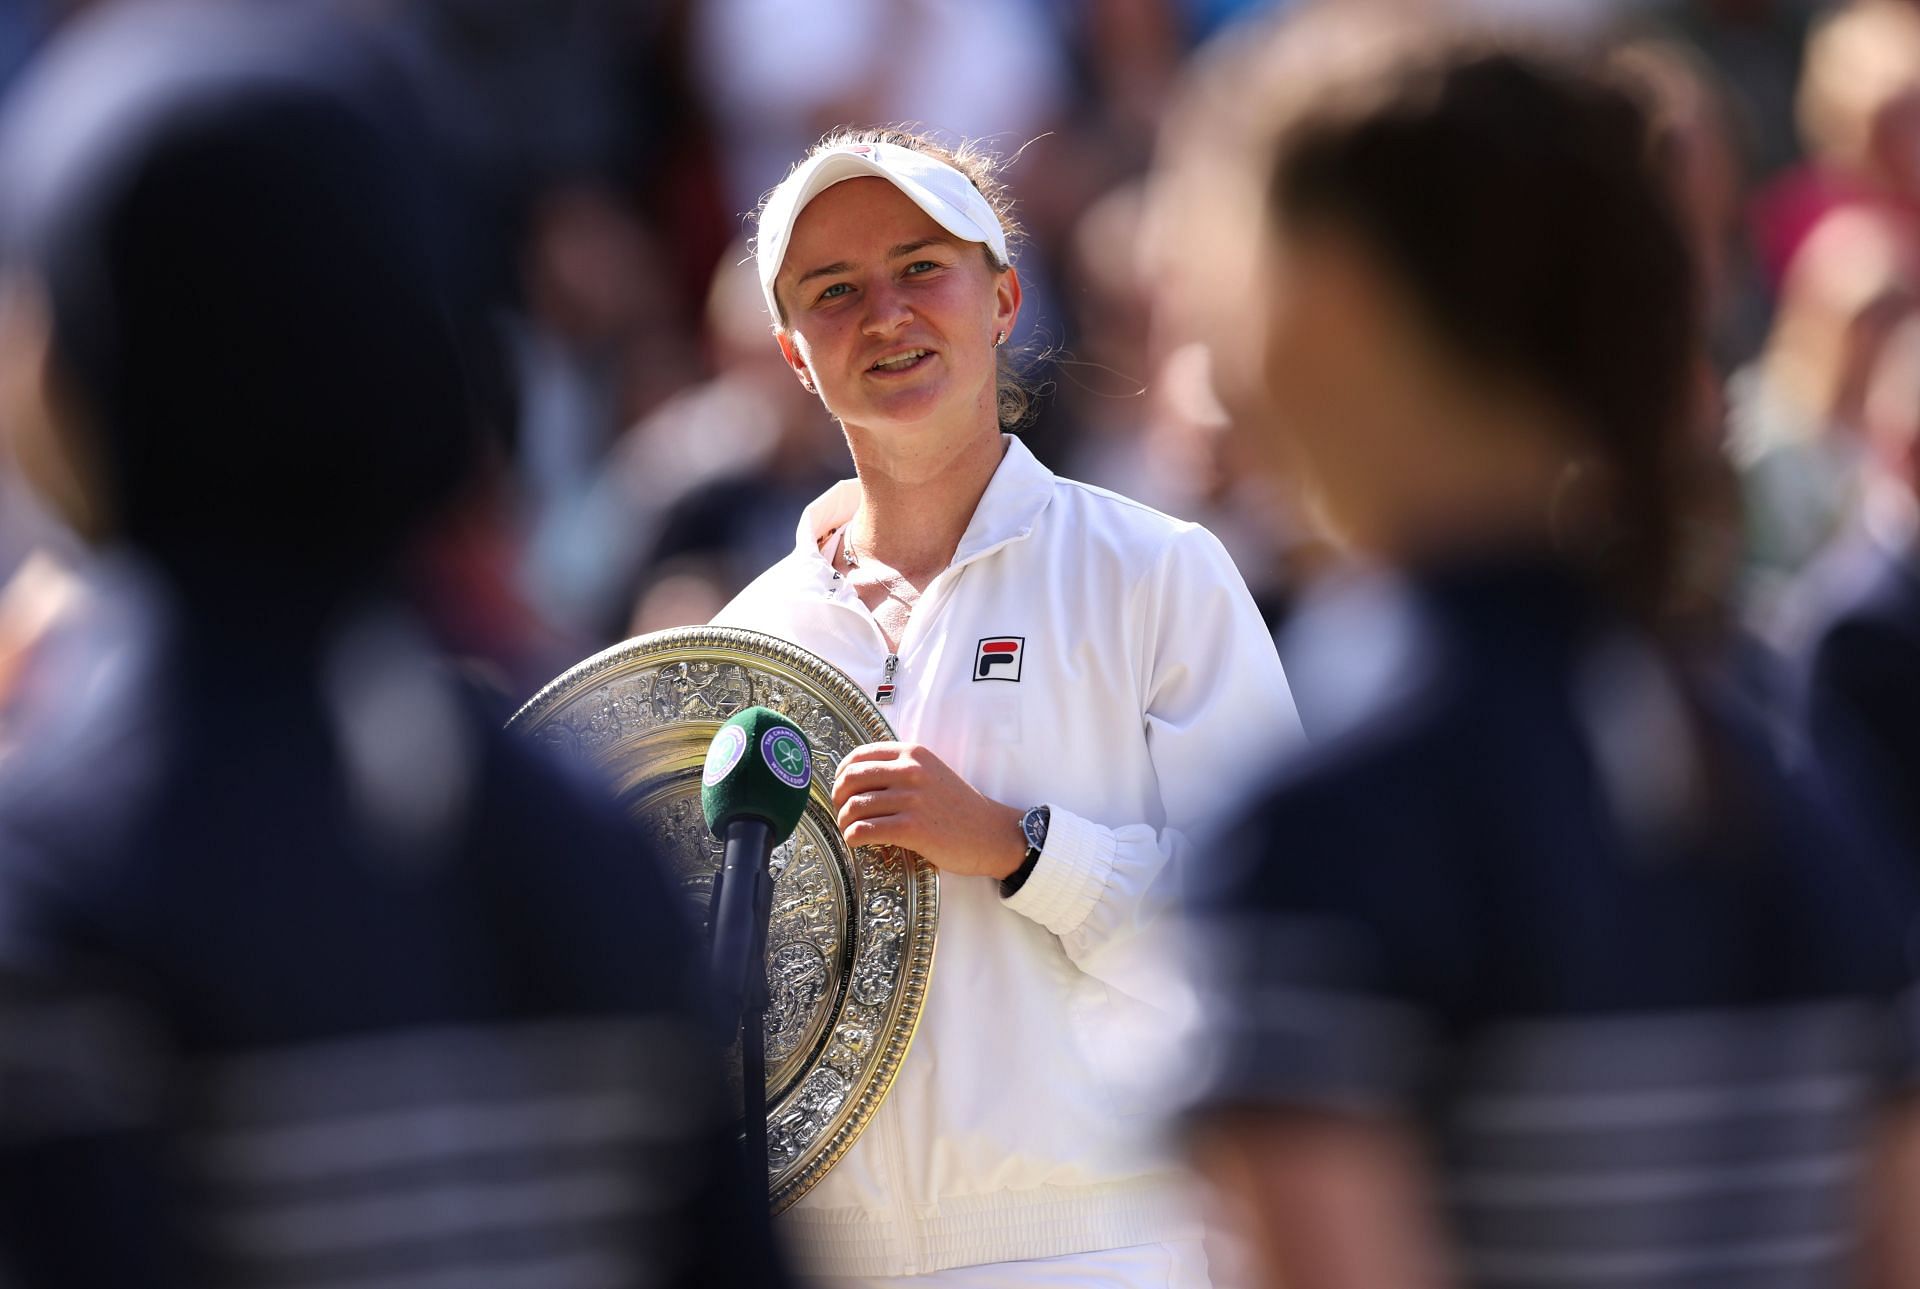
x: 999, y: 340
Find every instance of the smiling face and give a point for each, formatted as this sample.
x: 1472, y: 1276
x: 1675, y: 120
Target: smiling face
x: 889, y: 316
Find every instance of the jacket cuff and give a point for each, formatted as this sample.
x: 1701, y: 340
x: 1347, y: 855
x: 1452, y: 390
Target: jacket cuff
x: 1071, y: 876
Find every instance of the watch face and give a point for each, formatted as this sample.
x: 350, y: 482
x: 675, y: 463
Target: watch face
x: 1034, y: 825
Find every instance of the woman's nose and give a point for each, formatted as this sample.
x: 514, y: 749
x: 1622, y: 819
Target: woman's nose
x: 887, y: 311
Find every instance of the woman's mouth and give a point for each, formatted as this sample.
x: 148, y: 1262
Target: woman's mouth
x: 906, y: 360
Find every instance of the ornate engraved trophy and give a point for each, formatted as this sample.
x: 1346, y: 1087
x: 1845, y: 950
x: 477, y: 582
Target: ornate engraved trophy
x: 850, y: 948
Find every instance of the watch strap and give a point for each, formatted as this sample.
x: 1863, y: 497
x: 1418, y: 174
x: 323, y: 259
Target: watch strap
x: 1012, y: 882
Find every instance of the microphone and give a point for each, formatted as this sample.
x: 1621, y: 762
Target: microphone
x: 753, y: 790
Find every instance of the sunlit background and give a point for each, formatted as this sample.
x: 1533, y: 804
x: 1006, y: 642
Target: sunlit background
x: 599, y: 160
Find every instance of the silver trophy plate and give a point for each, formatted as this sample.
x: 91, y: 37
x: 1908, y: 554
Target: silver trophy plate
x: 850, y: 948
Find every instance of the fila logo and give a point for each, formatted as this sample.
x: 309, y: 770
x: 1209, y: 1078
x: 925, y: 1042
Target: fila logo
x: 998, y: 658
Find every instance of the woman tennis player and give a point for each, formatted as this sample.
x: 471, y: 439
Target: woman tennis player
x: 1077, y: 683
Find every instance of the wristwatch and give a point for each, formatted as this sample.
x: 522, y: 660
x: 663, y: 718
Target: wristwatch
x: 1034, y: 825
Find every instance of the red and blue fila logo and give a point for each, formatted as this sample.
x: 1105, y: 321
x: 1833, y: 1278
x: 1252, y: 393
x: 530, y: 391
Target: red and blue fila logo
x: 998, y: 658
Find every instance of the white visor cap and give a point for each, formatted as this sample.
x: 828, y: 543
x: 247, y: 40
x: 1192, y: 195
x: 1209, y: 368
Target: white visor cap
x: 948, y: 197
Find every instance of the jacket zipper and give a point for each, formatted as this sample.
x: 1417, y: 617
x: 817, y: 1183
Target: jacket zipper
x: 884, y: 694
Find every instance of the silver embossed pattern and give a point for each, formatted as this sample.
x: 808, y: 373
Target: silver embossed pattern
x: 850, y: 948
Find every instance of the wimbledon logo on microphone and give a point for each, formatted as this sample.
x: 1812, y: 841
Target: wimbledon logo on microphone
x: 785, y: 753
x: 724, y: 754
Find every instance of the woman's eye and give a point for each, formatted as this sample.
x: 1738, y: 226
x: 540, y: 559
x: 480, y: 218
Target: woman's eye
x: 838, y: 288
x: 921, y: 266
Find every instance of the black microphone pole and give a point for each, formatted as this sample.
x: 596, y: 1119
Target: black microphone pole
x: 753, y: 792
x: 742, y: 909
x: 753, y: 1033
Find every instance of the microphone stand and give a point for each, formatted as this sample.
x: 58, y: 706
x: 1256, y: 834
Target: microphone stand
x: 742, y: 909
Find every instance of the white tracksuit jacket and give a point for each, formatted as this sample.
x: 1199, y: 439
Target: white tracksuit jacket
x: 1141, y: 692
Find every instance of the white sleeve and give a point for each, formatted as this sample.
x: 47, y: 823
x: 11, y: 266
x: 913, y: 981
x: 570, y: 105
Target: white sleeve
x: 1216, y: 710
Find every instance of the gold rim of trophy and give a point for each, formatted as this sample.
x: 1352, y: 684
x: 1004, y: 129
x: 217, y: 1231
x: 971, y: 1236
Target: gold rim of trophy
x: 645, y: 711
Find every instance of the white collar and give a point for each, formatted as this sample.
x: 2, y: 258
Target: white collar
x: 1020, y: 489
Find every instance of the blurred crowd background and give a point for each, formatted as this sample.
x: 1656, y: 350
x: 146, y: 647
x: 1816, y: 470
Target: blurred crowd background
x: 649, y: 452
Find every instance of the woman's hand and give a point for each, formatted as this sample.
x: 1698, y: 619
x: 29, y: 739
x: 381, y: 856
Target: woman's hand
x: 901, y: 794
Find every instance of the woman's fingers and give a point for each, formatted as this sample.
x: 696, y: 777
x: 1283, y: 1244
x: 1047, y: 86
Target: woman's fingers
x: 901, y: 794
x: 866, y: 769
x: 869, y: 752
x: 865, y: 805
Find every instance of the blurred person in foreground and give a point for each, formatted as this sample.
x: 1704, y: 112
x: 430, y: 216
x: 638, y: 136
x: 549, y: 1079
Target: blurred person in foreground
x: 1854, y: 622
x: 1076, y: 682
x: 1534, y: 968
x: 307, y: 972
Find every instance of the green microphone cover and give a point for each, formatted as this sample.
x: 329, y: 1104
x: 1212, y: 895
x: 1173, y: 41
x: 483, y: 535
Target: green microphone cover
x: 758, y: 767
